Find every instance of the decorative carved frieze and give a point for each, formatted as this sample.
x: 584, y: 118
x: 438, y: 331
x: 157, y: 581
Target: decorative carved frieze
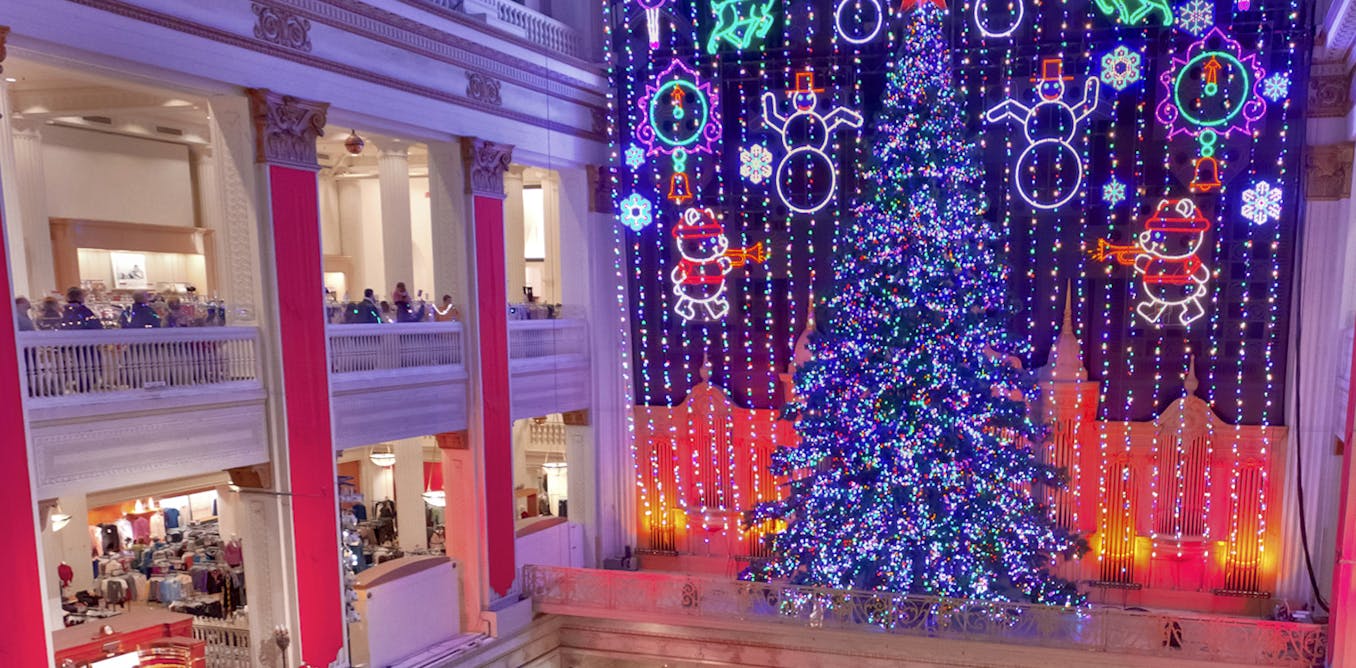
x: 486, y: 163
x: 483, y: 88
x: 285, y: 128
x: 1329, y: 90
x: 281, y: 26
x: 575, y: 418
x: 1328, y: 171
x: 600, y: 189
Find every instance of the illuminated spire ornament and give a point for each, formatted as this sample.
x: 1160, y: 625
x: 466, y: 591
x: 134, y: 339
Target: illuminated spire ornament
x: 915, y: 470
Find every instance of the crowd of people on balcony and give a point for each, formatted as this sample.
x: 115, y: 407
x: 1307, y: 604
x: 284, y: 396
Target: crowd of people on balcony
x: 399, y: 309
x: 146, y: 311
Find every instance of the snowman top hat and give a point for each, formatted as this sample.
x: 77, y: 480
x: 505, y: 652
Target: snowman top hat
x: 1052, y: 69
x: 1177, y: 215
x: 698, y: 224
x: 805, y: 83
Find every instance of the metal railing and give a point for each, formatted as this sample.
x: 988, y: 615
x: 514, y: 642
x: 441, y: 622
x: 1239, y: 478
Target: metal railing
x: 536, y: 339
x: 228, y: 641
x: 1182, y: 636
x: 365, y: 348
x: 107, y: 362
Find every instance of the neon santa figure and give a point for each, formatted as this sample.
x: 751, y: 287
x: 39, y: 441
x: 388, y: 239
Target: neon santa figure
x: 699, y: 278
x: 1050, y: 127
x: 1167, y: 258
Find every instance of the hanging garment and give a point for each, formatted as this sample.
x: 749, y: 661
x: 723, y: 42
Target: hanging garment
x: 125, y: 534
x: 171, y: 518
x: 66, y: 573
x: 112, y: 543
x: 157, y: 527
x: 385, y: 509
x: 141, y: 529
x: 96, y: 540
x: 232, y: 553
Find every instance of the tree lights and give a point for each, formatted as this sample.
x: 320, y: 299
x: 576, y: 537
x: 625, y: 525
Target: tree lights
x: 906, y: 477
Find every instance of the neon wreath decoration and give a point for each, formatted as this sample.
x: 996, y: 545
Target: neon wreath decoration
x: 864, y: 36
x: 990, y: 32
x: 678, y: 111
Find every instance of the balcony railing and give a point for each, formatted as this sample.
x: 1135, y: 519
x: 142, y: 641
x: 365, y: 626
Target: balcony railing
x: 367, y: 348
x: 512, y: 17
x: 539, y: 339
x: 683, y: 599
x: 75, y: 366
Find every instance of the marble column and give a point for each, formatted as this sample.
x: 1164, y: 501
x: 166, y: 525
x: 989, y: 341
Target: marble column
x: 551, y: 219
x: 582, y: 481
x: 409, y: 489
x: 393, y: 174
x: 22, y: 615
x: 231, y: 208
x: 514, y: 233
x: 448, y: 210
x: 30, y: 181
x: 286, y: 130
x: 488, y: 387
x: 10, y: 186
x: 464, y: 519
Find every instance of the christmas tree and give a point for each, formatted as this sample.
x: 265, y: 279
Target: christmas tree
x: 915, y: 467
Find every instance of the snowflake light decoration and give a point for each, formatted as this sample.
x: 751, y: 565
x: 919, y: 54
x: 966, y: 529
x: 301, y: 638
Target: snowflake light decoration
x: 1113, y: 192
x: 755, y: 163
x: 635, y: 212
x: 1196, y: 16
x: 635, y: 157
x: 1261, y: 203
x: 1276, y: 87
x: 1120, y: 67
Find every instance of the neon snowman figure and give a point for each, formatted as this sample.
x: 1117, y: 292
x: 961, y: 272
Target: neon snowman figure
x: 1167, y: 258
x: 805, y: 136
x: 1050, y: 128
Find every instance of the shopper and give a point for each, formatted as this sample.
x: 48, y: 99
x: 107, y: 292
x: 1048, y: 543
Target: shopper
x: 49, y: 314
x: 446, y: 312
x: 76, y: 315
x: 176, y: 317
x: 21, y: 317
x: 365, y: 312
x: 401, y: 297
x: 140, y: 315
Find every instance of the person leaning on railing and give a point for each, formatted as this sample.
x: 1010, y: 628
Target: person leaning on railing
x: 21, y: 317
x: 76, y: 315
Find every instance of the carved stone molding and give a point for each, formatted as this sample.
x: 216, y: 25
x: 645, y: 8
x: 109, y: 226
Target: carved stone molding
x: 576, y: 418
x: 486, y: 163
x: 281, y: 26
x: 285, y: 128
x: 1328, y: 171
x: 259, y: 476
x: 483, y: 88
x: 599, y: 121
x: 600, y: 189
x: 1329, y: 90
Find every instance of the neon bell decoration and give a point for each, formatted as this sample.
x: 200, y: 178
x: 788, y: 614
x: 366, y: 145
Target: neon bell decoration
x: 805, y: 136
x: 1050, y: 127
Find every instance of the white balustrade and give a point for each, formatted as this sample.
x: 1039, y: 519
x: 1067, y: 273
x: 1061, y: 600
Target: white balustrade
x: 381, y: 347
x: 536, y: 27
x: 114, y: 361
x: 227, y: 641
x: 536, y: 339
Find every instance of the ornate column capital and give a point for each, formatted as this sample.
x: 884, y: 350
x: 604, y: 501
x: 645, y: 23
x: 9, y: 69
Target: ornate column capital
x: 486, y: 163
x: 393, y: 150
x: 285, y: 128
x: 1328, y: 172
x: 600, y: 188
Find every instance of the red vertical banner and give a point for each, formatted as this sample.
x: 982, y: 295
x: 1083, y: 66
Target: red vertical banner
x: 306, y: 398
x: 494, y: 382
x: 286, y: 130
x: 21, y: 615
x: 486, y: 163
